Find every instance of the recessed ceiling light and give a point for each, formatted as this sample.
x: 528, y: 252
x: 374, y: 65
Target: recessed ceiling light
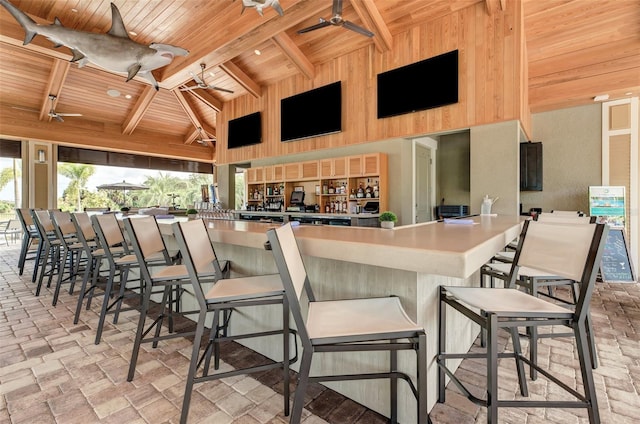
x: 211, y: 74
x: 74, y: 10
x: 127, y: 96
x: 113, y: 92
x: 133, y: 33
x: 257, y: 52
x: 601, y: 98
x: 628, y: 93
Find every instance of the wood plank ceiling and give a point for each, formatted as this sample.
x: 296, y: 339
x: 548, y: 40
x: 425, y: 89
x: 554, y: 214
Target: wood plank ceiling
x: 577, y: 49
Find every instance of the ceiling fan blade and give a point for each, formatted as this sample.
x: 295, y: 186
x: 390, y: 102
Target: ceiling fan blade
x: 197, y: 79
x: 186, y: 88
x: 57, y: 117
x: 69, y: 114
x: 356, y: 28
x: 213, y: 87
x: 337, y: 7
x: 322, y: 24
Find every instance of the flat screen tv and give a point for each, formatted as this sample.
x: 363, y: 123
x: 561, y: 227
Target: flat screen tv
x: 423, y: 85
x: 244, y: 131
x: 312, y: 113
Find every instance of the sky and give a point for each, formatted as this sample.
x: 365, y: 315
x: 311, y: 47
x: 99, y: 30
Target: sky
x: 103, y: 175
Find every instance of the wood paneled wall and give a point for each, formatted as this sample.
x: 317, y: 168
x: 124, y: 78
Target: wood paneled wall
x: 492, y: 85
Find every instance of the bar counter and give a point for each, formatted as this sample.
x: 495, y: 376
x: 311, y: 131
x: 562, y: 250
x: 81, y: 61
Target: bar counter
x: 349, y: 262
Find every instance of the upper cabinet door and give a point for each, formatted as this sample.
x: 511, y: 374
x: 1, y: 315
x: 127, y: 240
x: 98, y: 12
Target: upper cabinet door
x: 255, y: 175
x: 364, y: 165
x: 333, y: 168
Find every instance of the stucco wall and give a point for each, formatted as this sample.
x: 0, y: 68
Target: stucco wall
x: 572, y: 157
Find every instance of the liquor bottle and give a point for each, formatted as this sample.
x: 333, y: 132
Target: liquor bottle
x: 376, y: 190
x: 344, y: 206
x: 344, y: 188
x: 368, y: 190
x: 331, y: 189
x: 360, y: 192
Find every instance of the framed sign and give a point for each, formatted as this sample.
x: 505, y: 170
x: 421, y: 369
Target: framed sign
x: 608, y: 204
x: 616, y: 266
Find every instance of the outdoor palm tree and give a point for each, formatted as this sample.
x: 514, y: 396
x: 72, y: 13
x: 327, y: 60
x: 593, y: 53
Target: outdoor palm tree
x: 161, y: 189
x: 79, y: 175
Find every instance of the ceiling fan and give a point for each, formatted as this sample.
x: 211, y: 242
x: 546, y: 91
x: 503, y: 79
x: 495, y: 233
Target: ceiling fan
x: 337, y: 20
x: 199, y: 79
x: 202, y: 139
x: 58, y: 116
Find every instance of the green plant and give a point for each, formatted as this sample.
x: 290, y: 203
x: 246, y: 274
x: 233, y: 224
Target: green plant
x: 388, y: 216
x: 191, y: 211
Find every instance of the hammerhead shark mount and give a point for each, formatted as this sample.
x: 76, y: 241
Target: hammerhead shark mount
x: 113, y: 51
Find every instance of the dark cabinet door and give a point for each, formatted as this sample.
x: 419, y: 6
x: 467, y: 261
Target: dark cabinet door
x: 531, y: 166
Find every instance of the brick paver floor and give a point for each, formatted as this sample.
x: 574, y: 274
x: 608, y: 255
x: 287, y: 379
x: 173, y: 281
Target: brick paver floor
x: 52, y: 372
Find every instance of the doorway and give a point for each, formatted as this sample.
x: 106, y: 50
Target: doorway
x: 423, y: 180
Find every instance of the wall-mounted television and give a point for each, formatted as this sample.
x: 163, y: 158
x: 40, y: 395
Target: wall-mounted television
x: 244, y: 131
x: 312, y: 113
x: 422, y: 85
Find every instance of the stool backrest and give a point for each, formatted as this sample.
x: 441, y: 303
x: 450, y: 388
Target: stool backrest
x: 146, y: 236
x: 292, y: 271
x: 565, y: 218
x: 83, y: 225
x: 108, y: 230
x: 42, y: 221
x: 198, y: 255
x: 566, y: 250
x: 63, y: 225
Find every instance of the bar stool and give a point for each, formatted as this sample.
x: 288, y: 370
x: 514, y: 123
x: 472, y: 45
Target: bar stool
x: 535, y: 280
x: 29, y: 236
x: 157, y: 270
x: 353, y: 325
x: 115, y: 250
x: 48, y: 254
x: 71, y: 250
x: 570, y: 251
x: 199, y: 257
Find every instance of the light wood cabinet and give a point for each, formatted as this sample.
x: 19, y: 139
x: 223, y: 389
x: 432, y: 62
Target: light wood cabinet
x: 343, y: 174
x: 363, y: 165
x: 274, y: 173
x: 333, y: 168
x: 255, y: 175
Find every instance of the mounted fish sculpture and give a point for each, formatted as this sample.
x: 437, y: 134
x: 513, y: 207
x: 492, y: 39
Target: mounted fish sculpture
x: 261, y: 4
x: 113, y: 51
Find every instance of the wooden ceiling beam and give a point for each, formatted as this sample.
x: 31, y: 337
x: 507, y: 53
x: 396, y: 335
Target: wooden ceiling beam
x: 370, y: 15
x: 191, y: 114
x: 239, y: 36
x: 295, y: 55
x: 139, y: 109
x: 242, y: 78
x: 57, y: 76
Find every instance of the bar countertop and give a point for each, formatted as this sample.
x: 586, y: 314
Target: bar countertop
x: 454, y: 250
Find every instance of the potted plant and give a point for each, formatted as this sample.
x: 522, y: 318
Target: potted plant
x: 124, y: 210
x: 388, y: 219
x: 191, y: 213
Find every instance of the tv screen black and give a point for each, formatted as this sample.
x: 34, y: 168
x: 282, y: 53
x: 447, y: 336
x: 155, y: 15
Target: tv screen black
x: 422, y: 85
x: 244, y: 131
x: 312, y: 113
